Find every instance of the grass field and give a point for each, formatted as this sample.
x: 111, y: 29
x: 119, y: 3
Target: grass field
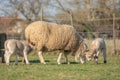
x: 52, y: 71
x: 73, y: 71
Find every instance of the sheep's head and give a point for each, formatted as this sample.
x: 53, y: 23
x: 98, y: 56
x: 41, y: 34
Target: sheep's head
x: 31, y: 45
x: 88, y: 56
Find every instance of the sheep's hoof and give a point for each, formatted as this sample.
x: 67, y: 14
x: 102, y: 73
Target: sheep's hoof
x: 43, y: 63
x: 82, y: 62
x: 28, y: 63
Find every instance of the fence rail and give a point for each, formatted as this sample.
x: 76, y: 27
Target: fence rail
x: 112, y: 22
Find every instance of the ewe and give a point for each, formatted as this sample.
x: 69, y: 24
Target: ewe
x: 50, y: 36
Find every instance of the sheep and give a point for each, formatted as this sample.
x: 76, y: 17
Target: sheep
x: 96, y: 46
x: 46, y: 36
x: 79, y: 56
x: 18, y: 48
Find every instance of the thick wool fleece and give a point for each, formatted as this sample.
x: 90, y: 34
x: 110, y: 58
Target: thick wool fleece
x: 51, y: 36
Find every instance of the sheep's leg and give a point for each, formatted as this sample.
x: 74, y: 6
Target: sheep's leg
x: 66, y: 57
x: 82, y: 59
x: 7, y: 57
x: 41, y: 57
x: 59, y: 58
x: 76, y: 58
x: 17, y: 58
x: 25, y: 58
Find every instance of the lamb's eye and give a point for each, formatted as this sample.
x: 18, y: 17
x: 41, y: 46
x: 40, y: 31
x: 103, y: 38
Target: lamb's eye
x: 95, y: 57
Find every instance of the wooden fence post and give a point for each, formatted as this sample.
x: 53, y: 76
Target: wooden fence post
x: 3, y: 37
x: 114, y: 34
x: 41, y: 11
x: 71, y: 18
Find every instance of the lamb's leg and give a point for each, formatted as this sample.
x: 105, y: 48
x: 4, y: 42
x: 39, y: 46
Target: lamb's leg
x: 41, y: 57
x: 66, y: 57
x: 7, y: 57
x: 23, y: 61
x: 17, y: 58
x: 96, y: 57
x: 25, y: 57
x: 59, y: 58
x: 104, y: 55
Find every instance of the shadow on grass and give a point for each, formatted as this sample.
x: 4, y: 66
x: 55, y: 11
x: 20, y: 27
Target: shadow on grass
x: 31, y: 61
x: 74, y: 62
x: 37, y: 61
x: 71, y: 63
x: 54, y: 63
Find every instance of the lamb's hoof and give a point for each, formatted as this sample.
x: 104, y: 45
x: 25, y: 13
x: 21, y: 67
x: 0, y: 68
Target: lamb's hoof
x: 68, y: 63
x: 105, y: 61
x: 3, y: 61
x: 95, y: 62
x: 23, y: 63
x: 59, y: 63
x: 7, y: 64
x: 15, y: 63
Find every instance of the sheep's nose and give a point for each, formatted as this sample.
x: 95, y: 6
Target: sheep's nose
x: 89, y: 59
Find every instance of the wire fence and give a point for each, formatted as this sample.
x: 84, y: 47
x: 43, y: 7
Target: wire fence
x: 111, y: 32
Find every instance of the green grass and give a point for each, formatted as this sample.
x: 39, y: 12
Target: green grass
x: 52, y: 71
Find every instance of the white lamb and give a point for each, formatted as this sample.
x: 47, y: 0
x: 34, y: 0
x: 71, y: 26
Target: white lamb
x: 98, y: 45
x: 18, y: 48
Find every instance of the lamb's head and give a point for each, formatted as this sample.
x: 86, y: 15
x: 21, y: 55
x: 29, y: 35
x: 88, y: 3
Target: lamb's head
x: 91, y: 54
x: 95, y: 58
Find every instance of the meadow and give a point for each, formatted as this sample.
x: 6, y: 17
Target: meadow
x: 53, y: 71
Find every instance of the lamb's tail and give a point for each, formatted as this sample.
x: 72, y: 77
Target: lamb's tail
x: 103, y: 37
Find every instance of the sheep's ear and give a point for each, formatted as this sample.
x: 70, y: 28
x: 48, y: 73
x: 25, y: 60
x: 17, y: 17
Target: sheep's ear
x: 85, y: 53
x: 87, y: 50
